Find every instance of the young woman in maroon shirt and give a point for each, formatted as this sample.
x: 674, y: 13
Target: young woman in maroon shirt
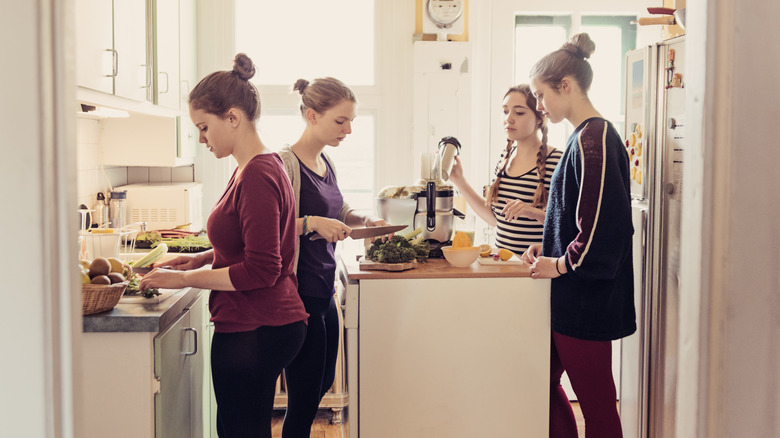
x: 259, y: 318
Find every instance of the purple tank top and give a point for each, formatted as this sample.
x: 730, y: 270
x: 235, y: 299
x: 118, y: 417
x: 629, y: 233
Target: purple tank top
x: 317, y: 265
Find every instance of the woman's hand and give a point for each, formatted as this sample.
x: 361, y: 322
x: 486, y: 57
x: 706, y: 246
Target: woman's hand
x: 180, y: 263
x: 163, y: 278
x: 532, y: 253
x: 515, y: 209
x: 373, y: 222
x: 544, y: 267
x: 332, y: 230
x: 456, y: 174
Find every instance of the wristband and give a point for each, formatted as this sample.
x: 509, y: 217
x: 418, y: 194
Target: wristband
x: 556, y: 267
x: 306, y: 229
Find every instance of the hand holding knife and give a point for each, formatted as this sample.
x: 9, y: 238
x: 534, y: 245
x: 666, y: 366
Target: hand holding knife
x: 362, y: 233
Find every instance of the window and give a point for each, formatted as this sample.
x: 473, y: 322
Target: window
x: 354, y: 157
x: 307, y: 39
x: 536, y: 36
x: 333, y: 38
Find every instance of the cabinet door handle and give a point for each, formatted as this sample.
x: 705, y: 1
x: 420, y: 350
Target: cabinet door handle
x: 166, y: 81
x: 114, y: 63
x: 147, y: 75
x: 194, y: 341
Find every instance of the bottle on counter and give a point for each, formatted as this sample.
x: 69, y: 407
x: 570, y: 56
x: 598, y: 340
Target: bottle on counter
x: 101, y: 212
x: 116, y: 209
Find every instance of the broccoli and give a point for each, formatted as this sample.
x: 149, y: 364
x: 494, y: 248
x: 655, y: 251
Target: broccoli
x: 397, y: 249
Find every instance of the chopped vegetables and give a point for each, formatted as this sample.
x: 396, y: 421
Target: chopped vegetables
x: 398, y: 249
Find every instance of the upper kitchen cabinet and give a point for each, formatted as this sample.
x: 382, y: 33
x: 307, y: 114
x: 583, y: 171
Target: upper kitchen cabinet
x: 111, y: 47
x: 165, y: 30
x: 188, y: 75
x: 175, y: 64
x: 174, y: 51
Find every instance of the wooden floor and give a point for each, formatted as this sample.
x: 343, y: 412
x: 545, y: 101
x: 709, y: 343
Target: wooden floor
x: 323, y: 428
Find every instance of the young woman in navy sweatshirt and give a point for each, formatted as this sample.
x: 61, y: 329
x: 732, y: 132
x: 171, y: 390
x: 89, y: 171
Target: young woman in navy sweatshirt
x: 586, y: 246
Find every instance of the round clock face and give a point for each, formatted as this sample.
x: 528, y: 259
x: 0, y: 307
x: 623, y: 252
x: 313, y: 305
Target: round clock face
x: 444, y: 12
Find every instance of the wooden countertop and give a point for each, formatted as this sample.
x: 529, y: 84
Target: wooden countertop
x: 434, y: 268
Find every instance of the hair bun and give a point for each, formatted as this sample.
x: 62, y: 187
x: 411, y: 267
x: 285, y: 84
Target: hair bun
x: 300, y: 85
x: 580, y: 46
x: 244, y: 67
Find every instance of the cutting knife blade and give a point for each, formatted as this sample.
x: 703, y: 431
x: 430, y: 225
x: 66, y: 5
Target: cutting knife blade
x: 362, y: 233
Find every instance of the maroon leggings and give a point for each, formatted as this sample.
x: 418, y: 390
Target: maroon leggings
x: 589, y: 367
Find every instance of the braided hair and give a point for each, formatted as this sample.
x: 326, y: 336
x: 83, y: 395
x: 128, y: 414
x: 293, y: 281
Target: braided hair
x: 541, y: 193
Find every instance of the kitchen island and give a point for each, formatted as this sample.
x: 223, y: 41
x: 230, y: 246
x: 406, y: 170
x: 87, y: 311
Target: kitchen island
x: 144, y: 368
x: 445, y: 351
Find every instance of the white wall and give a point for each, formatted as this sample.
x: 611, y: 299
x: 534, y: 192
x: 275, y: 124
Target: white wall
x: 40, y: 287
x: 730, y: 313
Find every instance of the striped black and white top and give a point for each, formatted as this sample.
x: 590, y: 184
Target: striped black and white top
x: 517, y: 235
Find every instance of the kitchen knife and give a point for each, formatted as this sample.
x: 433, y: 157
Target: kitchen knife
x: 362, y: 233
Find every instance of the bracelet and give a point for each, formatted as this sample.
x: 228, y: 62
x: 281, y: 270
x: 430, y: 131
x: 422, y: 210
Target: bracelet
x: 556, y: 267
x: 306, y: 225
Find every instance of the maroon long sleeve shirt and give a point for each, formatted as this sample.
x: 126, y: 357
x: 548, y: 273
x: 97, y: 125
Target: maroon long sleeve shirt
x: 252, y: 229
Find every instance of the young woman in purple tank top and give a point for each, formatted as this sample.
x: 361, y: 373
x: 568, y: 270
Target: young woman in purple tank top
x: 328, y: 108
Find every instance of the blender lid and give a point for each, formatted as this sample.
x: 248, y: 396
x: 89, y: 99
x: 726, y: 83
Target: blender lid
x: 450, y: 140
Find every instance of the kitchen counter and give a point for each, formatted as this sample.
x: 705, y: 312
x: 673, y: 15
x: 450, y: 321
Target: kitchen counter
x: 444, y: 351
x: 436, y: 268
x: 145, y: 369
x: 133, y: 317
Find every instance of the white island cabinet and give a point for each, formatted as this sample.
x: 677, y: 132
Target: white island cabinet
x: 145, y: 370
x: 439, y: 351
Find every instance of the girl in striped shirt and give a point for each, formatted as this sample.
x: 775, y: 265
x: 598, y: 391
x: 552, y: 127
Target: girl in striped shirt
x: 517, y: 199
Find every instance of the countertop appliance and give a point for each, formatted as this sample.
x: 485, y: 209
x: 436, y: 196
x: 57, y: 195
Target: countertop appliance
x: 165, y: 205
x: 655, y: 141
x: 435, y: 213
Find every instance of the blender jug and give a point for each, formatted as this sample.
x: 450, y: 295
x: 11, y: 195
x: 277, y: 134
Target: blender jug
x: 449, y: 147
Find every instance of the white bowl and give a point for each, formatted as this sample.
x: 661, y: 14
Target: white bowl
x: 461, y: 257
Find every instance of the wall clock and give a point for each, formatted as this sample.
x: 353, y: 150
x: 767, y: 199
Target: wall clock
x: 444, y: 13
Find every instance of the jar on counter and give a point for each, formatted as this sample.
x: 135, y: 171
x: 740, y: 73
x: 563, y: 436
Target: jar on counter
x: 116, y: 209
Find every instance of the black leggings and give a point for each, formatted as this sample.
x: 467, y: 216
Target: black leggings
x: 311, y: 373
x: 244, y: 368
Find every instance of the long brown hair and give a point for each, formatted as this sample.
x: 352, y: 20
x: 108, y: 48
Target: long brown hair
x: 222, y: 90
x: 540, y: 196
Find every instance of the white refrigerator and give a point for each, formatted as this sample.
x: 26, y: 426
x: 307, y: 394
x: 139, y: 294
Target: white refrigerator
x: 654, y: 139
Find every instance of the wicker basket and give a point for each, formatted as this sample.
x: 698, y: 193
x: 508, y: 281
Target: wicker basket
x: 96, y: 298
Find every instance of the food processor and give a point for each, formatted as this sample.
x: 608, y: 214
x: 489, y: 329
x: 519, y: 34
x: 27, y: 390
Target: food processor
x: 428, y: 204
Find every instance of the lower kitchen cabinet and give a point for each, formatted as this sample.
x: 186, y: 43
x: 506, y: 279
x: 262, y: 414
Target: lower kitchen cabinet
x: 149, y: 384
x: 440, y: 351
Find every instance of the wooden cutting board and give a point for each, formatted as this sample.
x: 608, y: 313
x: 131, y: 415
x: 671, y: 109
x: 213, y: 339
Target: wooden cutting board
x: 368, y: 265
x: 488, y: 261
x: 140, y: 299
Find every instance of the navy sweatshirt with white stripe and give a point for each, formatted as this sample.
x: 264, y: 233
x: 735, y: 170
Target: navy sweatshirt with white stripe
x: 589, y: 220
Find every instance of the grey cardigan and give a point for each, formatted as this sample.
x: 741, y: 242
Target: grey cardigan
x: 293, y: 168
